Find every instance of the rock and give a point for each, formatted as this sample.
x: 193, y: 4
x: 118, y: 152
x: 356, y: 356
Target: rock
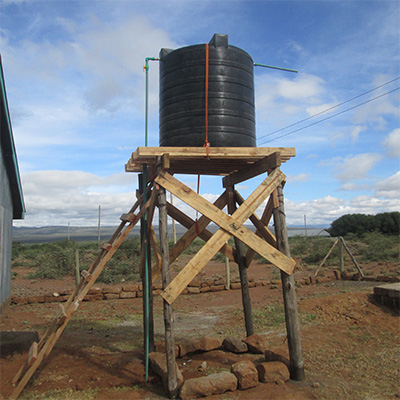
x: 196, y: 282
x: 158, y: 364
x: 257, y: 344
x: 316, y: 385
x: 111, y: 296
x: 217, y: 288
x: 236, y: 285
x: 92, y: 297
x: 278, y: 354
x: 205, y: 343
x: 127, y: 295
x: 160, y: 348
x: 234, y: 345
x: 271, y: 372
x: 202, y: 367
x: 130, y: 288
x: 205, y: 289
x: 246, y: 374
x: 193, y: 290
x: 208, y: 385
x: 95, y: 290
x: 112, y: 289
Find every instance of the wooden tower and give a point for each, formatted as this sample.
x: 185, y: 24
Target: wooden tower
x: 157, y: 166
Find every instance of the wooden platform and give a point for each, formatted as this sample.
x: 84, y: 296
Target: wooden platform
x: 194, y: 160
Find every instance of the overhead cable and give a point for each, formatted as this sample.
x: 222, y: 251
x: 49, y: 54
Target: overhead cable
x: 329, y: 109
x: 331, y: 116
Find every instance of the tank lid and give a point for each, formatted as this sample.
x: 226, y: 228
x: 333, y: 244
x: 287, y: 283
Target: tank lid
x: 219, y: 40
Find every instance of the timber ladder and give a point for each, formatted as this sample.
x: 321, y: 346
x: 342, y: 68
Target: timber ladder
x: 157, y: 166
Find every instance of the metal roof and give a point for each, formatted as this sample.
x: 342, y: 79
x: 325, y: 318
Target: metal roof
x: 9, y: 153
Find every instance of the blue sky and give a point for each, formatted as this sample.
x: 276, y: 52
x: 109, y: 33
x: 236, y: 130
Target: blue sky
x: 75, y: 85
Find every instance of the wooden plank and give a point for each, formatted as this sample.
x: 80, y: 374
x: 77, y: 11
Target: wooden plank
x: 106, y: 246
x: 230, y: 224
x: 351, y: 256
x: 73, y: 303
x: 191, y: 234
x: 326, y: 257
x: 262, y: 229
x: 86, y: 275
x: 220, y: 237
x: 252, y: 170
x: 214, y: 152
x: 265, y: 218
x: 33, y: 353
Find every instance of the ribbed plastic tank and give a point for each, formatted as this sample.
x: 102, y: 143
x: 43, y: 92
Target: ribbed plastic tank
x: 231, y: 113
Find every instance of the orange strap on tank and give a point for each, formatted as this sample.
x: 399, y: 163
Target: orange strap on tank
x: 206, y: 142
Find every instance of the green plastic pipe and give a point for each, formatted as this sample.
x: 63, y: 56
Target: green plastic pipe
x: 270, y: 66
x: 146, y: 275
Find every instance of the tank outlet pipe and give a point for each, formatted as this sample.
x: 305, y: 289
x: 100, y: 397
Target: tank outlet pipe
x: 279, y: 68
x: 146, y: 288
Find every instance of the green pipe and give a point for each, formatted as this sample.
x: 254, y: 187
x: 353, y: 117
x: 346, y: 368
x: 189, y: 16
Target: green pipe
x: 146, y: 267
x: 270, y: 66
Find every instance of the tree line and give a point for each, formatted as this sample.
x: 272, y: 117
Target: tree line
x: 387, y: 223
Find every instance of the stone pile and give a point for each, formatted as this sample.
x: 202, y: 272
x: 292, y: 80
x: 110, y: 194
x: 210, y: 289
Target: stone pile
x: 271, y: 367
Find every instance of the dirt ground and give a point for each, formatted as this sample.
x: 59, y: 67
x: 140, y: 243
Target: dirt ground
x: 350, y: 343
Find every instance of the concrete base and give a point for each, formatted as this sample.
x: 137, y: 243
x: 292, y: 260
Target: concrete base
x: 16, y: 342
x: 388, y: 295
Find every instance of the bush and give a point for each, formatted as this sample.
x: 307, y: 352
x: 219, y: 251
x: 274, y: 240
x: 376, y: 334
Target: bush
x: 359, y: 224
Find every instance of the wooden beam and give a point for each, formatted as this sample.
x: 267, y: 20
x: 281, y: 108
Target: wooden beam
x: 220, y: 237
x: 262, y: 229
x: 289, y: 295
x: 185, y: 241
x: 172, y: 379
x: 213, y: 152
x: 265, y: 218
x: 326, y: 257
x: 191, y: 234
x: 252, y: 170
x: 231, y: 224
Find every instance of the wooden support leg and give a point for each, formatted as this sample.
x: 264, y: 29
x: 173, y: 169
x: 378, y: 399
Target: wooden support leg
x: 289, y: 295
x: 241, y: 261
x: 168, y: 310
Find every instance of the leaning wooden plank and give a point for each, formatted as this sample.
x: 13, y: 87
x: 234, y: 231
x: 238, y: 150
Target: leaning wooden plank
x: 220, y: 237
x: 231, y: 224
x: 54, y: 336
x: 33, y: 353
x: 252, y: 170
x: 265, y: 218
x: 352, y: 257
x: 326, y: 257
x: 191, y: 234
x: 262, y: 229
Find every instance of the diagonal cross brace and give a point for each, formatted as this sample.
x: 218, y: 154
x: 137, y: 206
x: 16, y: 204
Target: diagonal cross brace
x: 231, y: 225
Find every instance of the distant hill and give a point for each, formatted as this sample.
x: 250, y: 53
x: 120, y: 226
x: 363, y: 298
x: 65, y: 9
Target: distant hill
x: 83, y: 233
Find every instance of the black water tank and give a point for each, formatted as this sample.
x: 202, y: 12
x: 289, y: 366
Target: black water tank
x: 231, y: 113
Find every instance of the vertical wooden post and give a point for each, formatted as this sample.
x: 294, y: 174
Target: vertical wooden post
x: 168, y: 310
x: 241, y: 261
x: 289, y: 294
x: 228, y: 273
x: 77, y: 268
x: 341, y: 263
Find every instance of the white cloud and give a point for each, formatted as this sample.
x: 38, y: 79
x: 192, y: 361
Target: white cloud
x: 354, y: 187
x: 298, y: 178
x: 389, y: 188
x: 356, y: 131
x: 357, y: 167
x: 392, y: 143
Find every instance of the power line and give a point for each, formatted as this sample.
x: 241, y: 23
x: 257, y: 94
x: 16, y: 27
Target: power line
x: 329, y: 109
x: 331, y: 116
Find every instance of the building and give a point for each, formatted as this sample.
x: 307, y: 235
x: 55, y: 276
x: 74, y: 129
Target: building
x: 11, y: 198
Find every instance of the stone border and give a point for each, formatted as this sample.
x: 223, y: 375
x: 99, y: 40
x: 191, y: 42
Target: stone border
x: 197, y: 286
